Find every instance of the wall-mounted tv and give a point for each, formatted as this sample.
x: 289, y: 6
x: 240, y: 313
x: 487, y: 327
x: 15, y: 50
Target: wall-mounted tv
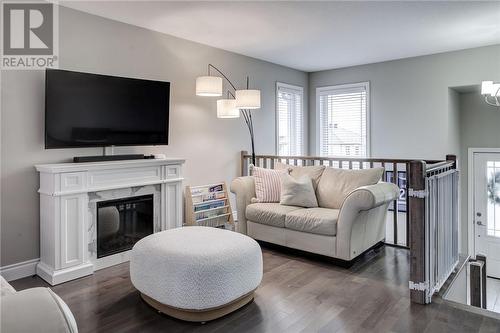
x: 91, y: 110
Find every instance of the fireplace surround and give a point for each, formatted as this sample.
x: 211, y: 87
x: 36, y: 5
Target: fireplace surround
x: 71, y: 195
x: 123, y: 222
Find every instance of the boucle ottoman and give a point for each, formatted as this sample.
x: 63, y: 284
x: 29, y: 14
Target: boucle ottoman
x: 196, y: 273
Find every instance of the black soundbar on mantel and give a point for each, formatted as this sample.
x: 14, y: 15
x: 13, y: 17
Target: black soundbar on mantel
x: 105, y: 158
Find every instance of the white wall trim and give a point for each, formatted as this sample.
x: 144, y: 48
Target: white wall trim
x: 19, y: 270
x: 470, y: 196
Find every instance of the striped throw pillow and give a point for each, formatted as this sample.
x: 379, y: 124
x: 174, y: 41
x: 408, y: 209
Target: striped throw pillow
x: 267, y: 183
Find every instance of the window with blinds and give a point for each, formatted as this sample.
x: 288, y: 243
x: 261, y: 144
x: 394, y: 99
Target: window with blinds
x: 290, y: 119
x: 343, y: 120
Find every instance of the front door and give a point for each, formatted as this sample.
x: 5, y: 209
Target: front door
x: 487, y: 209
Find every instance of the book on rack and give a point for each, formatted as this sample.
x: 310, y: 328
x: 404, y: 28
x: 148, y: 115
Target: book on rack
x: 215, y: 188
x: 210, y: 205
x: 210, y: 193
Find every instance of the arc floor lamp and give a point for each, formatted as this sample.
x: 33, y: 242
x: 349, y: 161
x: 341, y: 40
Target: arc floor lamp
x: 241, y: 101
x: 491, y: 93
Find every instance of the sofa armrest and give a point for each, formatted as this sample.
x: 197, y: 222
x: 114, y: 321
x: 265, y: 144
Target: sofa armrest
x: 361, y: 222
x: 244, y: 189
x: 371, y: 196
x: 36, y: 310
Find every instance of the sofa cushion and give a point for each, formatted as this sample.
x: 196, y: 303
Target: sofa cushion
x: 314, y: 172
x: 267, y: 183
x: 335, y: 184
x: 297, y: 192
x: 269, y: 213
x: 322, y: 221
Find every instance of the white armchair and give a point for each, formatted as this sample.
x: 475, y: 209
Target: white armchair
x: 33, y: 310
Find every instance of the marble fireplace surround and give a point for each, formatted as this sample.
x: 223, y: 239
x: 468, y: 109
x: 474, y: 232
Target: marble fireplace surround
x: 69, y: 193
x: 122, y: 193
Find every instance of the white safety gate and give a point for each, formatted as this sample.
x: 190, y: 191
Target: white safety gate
x: 441, y: 225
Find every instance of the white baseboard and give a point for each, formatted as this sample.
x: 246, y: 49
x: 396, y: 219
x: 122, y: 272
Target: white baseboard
x: 62, y: 275
x: 19, y: 270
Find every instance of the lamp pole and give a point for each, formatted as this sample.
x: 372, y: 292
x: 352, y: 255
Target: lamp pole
x: 247, y: 113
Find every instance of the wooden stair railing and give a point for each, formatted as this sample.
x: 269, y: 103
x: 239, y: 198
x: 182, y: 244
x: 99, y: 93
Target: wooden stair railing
x: 393, y: 166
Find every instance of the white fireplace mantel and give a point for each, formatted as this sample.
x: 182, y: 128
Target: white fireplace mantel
x: 65, y: 216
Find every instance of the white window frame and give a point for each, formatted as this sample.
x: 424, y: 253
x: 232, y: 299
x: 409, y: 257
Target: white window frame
x: 319, y: 90
x: 276, y: 136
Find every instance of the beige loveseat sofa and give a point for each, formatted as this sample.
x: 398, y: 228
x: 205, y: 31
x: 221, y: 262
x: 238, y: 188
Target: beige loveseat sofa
x: 350, y: 218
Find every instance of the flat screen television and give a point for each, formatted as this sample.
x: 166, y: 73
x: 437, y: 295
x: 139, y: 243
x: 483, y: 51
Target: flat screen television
x: 91, y: 110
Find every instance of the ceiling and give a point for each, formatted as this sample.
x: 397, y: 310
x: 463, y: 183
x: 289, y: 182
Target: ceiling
x: 312, y: 36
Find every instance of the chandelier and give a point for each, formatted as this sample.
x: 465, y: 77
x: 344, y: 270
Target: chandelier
x: 491, y: 92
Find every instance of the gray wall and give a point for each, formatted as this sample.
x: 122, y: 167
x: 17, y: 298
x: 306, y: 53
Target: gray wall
x: 479, y: 128
x: 410, y: 99
x: 93, y: 44
x: 417, y: 113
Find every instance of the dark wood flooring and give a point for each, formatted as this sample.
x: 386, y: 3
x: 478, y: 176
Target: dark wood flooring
x: 298, y: 294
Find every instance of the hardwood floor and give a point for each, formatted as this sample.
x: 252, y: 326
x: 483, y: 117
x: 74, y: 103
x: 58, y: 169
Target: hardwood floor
x: 298, y: 294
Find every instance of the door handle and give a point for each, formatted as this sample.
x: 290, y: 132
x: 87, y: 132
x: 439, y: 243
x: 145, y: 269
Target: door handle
x: 480, y: 223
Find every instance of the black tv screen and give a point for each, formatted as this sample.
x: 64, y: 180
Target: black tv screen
x: 89, y: 110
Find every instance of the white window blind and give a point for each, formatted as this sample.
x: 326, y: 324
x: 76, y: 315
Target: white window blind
x: 290, y: 119
x: 343, y: 120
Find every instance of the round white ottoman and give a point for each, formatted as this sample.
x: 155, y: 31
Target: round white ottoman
x: 196, y: 273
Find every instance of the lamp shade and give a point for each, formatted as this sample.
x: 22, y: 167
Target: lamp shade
x: 209, y: 86
x: 495, y: 90
x: 226, y: 108
x: 487, y: 88
x: 248, y: 99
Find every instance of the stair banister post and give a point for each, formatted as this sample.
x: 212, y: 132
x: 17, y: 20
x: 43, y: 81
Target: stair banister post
x: 416, y: 211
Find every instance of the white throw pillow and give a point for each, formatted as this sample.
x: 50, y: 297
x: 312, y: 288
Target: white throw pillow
x: 297, y: 192
x: 267, y: 183
x: 313, y: 171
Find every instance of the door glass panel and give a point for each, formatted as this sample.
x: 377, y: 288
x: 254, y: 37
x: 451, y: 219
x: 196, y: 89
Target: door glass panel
x: 493, y: 190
